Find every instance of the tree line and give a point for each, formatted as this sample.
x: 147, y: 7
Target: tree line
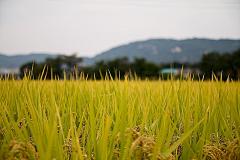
x: 226, y: 65
x: 51, y: 68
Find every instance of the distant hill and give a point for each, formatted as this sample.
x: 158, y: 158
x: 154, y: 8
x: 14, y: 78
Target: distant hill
x: 167, y: 50
x: 154, y: 50
x: 18, y: 60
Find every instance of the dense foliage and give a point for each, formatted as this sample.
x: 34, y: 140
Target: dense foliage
x: 121, y: 66
x: 227, y: 65
x: 52, y: 67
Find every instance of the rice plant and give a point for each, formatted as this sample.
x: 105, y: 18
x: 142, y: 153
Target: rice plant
x: 114, y: 119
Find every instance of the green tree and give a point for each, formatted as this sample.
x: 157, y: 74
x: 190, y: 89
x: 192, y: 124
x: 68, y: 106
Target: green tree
x: 32, y: 69
x: 71, y: 61
x: 236, y: 64
x: 208, y: 63
x: 54, y: 66
x: 144, y: 69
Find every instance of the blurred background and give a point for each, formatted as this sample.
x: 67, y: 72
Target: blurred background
x: 151, y: 38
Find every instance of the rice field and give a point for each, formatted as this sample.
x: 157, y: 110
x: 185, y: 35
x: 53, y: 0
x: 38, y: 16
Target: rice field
x: 113, y: 119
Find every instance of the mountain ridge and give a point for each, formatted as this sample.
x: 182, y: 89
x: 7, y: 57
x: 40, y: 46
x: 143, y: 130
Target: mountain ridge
x: 164, y: 50
x: 16, y: 61
x: 153, y: 50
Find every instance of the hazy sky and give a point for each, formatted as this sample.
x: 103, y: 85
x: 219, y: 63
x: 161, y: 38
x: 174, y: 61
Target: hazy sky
x: 89, y: 27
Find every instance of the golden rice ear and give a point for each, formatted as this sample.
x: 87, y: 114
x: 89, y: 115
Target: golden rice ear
x: 223, y: 151
x: 142, y: 145
x: 20, y: 150
x: 213, y: 152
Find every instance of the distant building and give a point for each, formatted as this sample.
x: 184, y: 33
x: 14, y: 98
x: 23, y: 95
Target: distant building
x: 177, y: 71
x: 6, y: 71
x: 169, y: 71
